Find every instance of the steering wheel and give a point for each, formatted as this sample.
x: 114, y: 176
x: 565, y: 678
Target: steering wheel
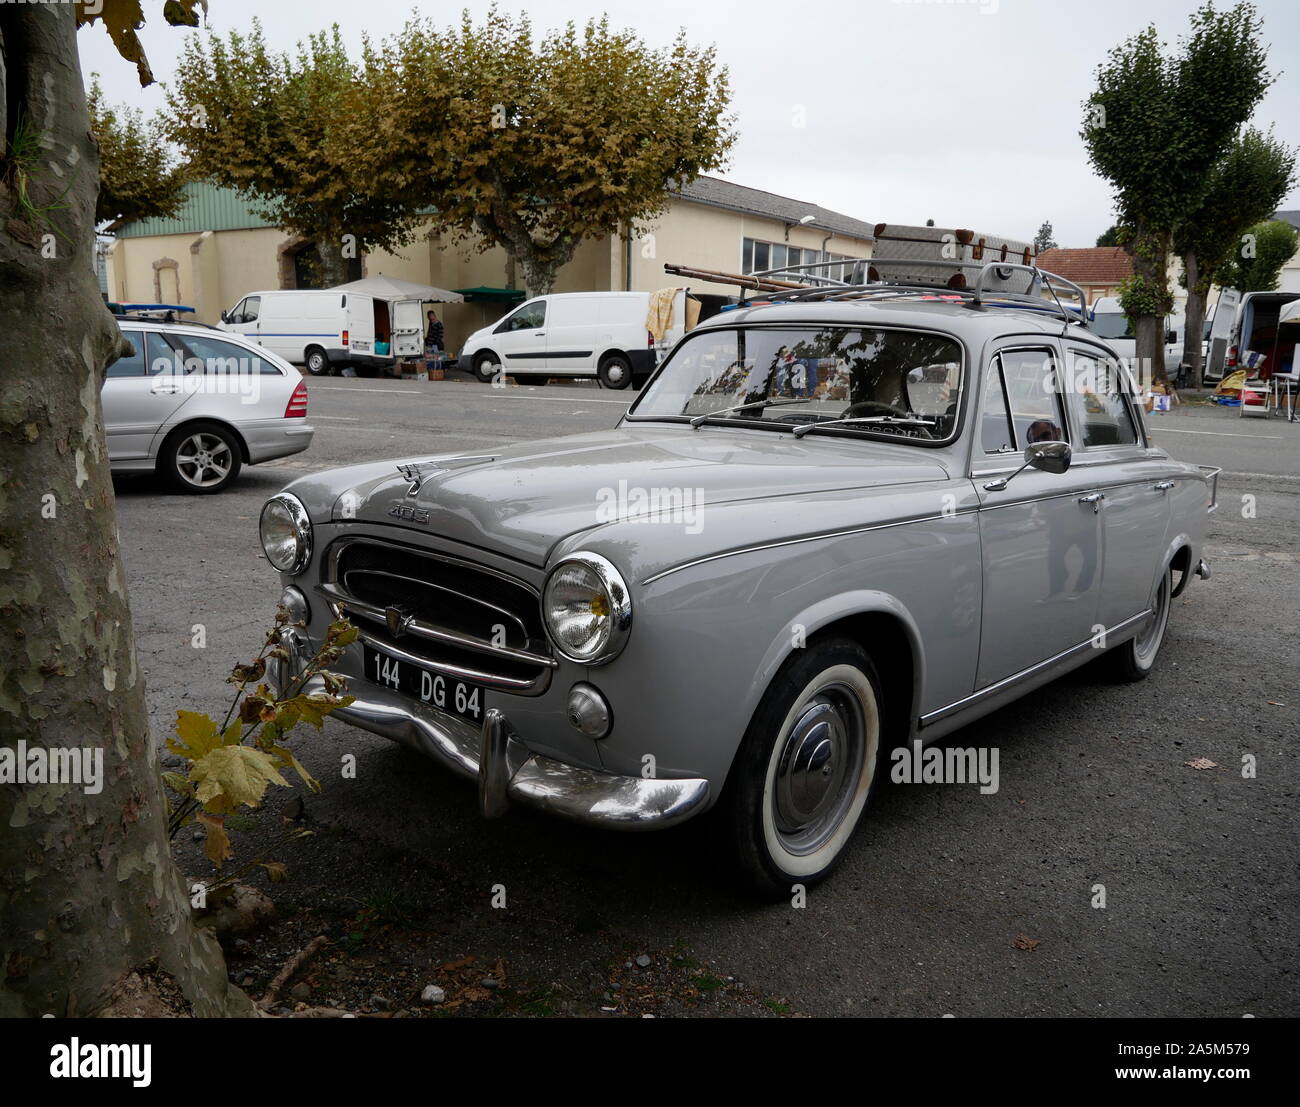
x: 866, y: 407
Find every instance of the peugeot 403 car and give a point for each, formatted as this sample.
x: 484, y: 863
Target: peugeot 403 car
x: 843, y: 520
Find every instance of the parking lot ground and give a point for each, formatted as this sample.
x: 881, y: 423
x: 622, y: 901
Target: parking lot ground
x: 1201, y: 910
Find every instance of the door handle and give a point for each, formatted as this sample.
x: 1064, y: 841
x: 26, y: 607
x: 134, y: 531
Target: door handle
x: 1093, y: 498
x: 1164, y: 486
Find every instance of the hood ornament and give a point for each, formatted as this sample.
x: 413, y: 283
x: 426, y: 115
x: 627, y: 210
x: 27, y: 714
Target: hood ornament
x: 417, y: 472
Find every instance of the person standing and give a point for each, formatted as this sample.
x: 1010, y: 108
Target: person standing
x: 433, y: 334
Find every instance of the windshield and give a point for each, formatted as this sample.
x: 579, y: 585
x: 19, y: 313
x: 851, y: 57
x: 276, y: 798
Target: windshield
x: 1112, y: 324
x: 896, y: 383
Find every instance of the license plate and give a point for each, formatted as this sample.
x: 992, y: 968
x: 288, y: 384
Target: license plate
x: 456, y: 697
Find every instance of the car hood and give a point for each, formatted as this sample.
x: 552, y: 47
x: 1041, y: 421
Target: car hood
x: 522, y: 500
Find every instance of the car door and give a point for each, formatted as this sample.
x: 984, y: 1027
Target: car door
x: 1039, y: 532
x: 408, y: 334
x: 1134, y: 508
x: 243, y: 317
x: 140, y: 394
x: 520, y: 338
x: 574, y: 327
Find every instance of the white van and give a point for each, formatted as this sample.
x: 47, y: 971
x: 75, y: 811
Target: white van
x: 1251, y: 329
x: 328, y: 329
x: 1110, y: 323
x: 576, y: 334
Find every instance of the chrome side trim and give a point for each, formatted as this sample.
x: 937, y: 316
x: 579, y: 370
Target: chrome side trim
x: 799, y: 541
x: 932, y: 717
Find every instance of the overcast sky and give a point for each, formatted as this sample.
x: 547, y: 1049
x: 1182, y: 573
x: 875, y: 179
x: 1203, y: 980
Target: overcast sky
x: 966, y: 113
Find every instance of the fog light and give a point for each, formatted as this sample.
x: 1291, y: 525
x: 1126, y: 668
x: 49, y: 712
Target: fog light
x: 588, y: 711
x: 296, y: 603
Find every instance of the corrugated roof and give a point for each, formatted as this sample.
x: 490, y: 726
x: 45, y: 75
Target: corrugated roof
x: 208, y: 207
x: 1292, y: 217
x: 718, y: 193
x: 1088, y: 264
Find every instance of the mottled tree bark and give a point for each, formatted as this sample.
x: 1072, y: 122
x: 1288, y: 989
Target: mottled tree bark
x: 1198, y: 288
x: 88, y: 890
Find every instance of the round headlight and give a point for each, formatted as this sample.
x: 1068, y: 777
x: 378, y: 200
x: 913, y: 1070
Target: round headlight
x: 587, y: 610
x: 286, y: 533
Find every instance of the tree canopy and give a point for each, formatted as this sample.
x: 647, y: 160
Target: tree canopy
x: 138, y: 175
x: 1257, y: 263
x: 278, y: 128
x: 535, y: 145
x: 1043, y: 240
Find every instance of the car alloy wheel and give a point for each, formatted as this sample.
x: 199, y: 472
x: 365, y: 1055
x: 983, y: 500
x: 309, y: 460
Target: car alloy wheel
x: 204, y: 460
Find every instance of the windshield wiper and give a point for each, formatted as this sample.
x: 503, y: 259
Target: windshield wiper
x: 878, y: 420
x: 699, y: 420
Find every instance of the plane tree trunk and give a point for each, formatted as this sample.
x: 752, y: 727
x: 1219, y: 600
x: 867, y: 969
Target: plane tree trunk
x: 91, y: 904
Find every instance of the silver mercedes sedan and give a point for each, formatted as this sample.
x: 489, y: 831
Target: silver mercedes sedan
x: 195, y: 405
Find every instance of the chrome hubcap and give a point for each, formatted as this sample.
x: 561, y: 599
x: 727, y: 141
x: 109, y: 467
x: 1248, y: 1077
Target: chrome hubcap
x: 203, y: 460
x: 819, y: 768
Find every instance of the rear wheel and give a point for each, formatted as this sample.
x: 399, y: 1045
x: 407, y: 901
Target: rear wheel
x: 615, y: 371
x: 1132, y: 661
x: 486, y: 367
x: 807, y: 767
x: 200, y: 459
x: 317, y: 363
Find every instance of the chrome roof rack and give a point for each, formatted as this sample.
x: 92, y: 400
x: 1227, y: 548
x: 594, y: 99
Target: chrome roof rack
x: 795, y: 284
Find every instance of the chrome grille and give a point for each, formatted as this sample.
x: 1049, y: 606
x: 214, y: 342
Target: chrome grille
x: 448, y: 614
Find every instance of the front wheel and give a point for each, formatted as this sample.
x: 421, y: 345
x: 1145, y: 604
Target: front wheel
x: 1134, y: 659
x: 806, y: 768
x: 200, y: 459
x: 486, y: 368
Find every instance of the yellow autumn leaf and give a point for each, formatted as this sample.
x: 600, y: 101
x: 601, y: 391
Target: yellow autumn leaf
x: 232, y: 775
x: 217, y: 845
x: 196, y: 735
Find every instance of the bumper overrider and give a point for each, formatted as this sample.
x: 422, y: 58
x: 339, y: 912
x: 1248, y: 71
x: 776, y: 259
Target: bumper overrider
x: 500, y: 760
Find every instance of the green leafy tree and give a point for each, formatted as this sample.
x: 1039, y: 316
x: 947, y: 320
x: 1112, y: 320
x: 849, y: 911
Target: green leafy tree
x: 1155, y: 126
x: 1256, y: 263
x: 534, y: 146
x: 138, y: 176
x: 276, y: 127
x: 1244, y: 187
x: 1111, y: 236
x: 89, y: 896
x: 1043, y: 240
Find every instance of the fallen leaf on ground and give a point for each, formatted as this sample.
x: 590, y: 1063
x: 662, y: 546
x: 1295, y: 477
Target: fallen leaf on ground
x: 1022, y: 941
x: 1201, y: 763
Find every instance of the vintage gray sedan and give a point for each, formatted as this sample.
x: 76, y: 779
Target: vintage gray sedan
x: 830, y: 526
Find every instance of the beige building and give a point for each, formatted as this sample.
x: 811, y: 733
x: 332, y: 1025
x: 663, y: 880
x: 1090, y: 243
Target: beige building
x: 217, y: 250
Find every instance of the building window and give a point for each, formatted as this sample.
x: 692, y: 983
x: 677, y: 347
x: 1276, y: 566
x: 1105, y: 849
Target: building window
x: 757, y: 255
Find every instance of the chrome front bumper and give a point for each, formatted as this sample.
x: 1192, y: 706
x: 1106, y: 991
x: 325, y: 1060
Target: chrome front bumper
x: 505, y: 768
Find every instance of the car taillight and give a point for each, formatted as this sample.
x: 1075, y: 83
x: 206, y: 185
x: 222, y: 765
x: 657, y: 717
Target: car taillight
x: 649, y: 338
x: 296, y: 408
x: 1232, y: 356
x: 343, y: 338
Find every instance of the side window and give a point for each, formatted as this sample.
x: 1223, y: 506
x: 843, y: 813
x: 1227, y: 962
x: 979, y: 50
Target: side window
x: 996, y: 433
x: 251, y: 308
x: 225, y: 357
x: 162, y: 356
x: 1031, y: 389
x: 1098, y: 405
x: 527, y: 318
x: 132, y: 366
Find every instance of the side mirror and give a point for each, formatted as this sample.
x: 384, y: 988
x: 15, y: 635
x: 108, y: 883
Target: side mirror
x: 225, y: 316
x: 1048, y: 457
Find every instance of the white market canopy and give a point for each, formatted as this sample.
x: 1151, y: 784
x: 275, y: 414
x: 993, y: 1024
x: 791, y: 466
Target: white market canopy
x: 391, y: 288
x: 1290, y: 313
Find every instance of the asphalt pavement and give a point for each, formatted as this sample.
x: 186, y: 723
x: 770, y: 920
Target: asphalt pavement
x: 924, y: 915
